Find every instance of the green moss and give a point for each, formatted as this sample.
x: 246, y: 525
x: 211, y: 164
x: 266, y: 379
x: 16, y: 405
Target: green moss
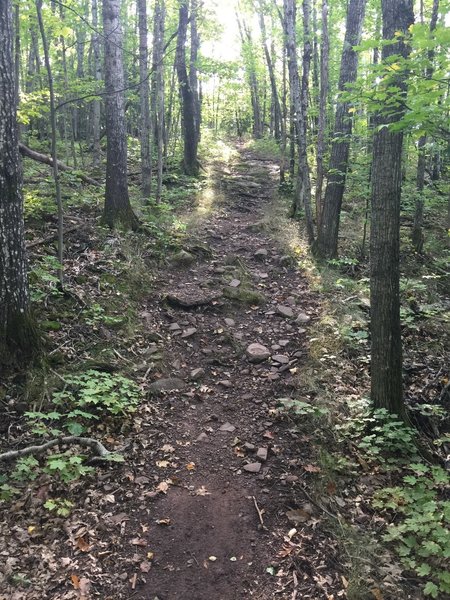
x: 244, y: 295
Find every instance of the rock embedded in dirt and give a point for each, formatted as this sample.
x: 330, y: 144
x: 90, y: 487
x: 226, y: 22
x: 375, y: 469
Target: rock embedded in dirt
x: 190, y: 331
x: 230, y: 322
x: 202, y: 438
x: 302, y: 317
x: 286, y: 261
x: 262, y: 454
x: 192, y: 297
x: 174, y: 327
x: 252, y: 467
x: 285, y: 311
x: 235, y: 283
x: 225, y: 383
x: 168, y: 384
x: 260, y: 254
x: 249, y: 447
x: 281, y: 358
x: 182, y: 258
x: 257, y: 353
x: 197, y: 374
x: 227, y: 428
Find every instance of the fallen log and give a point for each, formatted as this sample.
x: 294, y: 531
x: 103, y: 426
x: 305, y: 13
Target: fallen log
x: 47, y: 160
x: 98, y: 448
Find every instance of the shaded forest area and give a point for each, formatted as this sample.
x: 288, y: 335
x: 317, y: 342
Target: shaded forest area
x: 224, y: 299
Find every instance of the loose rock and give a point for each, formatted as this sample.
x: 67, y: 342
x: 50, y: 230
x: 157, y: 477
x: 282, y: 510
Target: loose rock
x: 168, y: 384
x: 252, y: 467
x: 257, y: 353
x: 285, y: 311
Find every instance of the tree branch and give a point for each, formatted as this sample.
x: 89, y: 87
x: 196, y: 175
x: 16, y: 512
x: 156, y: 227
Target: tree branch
x: 95, y: 446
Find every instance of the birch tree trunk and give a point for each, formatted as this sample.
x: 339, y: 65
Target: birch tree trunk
x: 16, y: 337
x: 157, y: 92
x: 299, y: 101
x: 278, y: 120
x: 322, y: 122
x: 144, y: 97
x: 386, y: 344
x: 117, y: 210
x: 327, y: 240
x: 96, y: 107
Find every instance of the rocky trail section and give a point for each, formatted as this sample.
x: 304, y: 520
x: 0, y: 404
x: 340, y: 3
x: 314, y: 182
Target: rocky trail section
x: 212, y: 501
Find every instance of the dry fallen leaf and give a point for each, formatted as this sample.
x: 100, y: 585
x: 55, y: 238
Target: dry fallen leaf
x: 312, y: 469
x: 299, y: 515
x: 163, y: 487
x: 82, y: 544
x: 190, y: 466
x: 202, y: 491
x: 138, y: 542
x: 162, y: 464
x: 168, y: 448
x: 163, y: 521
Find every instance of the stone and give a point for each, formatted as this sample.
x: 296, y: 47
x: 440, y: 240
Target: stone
x: 302, y: 318
x: 257, y: 353
x: 202, y: 438
x: 252, y: 467
x: 262, y: 454
x: 174, y: 327
x: 235, y: 283
x: 283, y: 342
x: 249, y: 447
x: 168, y: 384
x: 286, y: 261
x: 192, y: 297
x: 197, y: 374
x: 260, y: 254
x: 281, y: 358
x: 190, y: 331
x: 230, y: 322
x: 227, y: 428
x: 285, y: 311
x: 182, y: 258
x: 225, y: 383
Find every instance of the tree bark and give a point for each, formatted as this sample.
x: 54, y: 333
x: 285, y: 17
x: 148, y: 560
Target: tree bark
x: 190, y: 140
x: 193, y: 66
x: 117, y: 209
x: 327, y: 241
x: 322, y: 122
x: 278, y: 120
x: 417, y: 237
x: 15, y: 323
x: 299, y: 101
x: 96, y: 107
x: 386, y: 352
x: 249, y: 62
x: 53, y: 144
x: 158, y: 117
x: 144, y: 97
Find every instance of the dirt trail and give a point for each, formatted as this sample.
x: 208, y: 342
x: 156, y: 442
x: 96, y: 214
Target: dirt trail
x: 214, y: 545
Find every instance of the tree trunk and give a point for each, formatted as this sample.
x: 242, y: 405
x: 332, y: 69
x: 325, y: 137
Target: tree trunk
x: 322, y: 122
x: 386, y: 361
x: 96, y: 107
x: 54, y: 151
x: 190, y: 141
x: 15, y: 324
x: 417, y: 237
x: 144, y: 97
x: 193, y: 66
x: 327, y: 241
x: 299, y: 100
x: 117, y: 209
x: 277, y: 116
x: 250, y: 67
x: 159, y: 117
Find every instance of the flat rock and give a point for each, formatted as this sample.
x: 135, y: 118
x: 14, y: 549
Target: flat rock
x: 262, y: 454
x: 174, y: 327
x: 192, y: 297
x: 260, y: 254
x: 302, y: 318
x: 252, y: 467
x: 249, y: 447
x: 281, y: 358
x: 227, y: 427
x: 182, y: 258
x: 197, y: 374
x: 190, y: 331
x: 257, y: 353
x: 235, y: 283
x: 285, y: 311
x: 230, y: 322
x: 225, y: 383
x: 168, y: 384
x: 202, y: 438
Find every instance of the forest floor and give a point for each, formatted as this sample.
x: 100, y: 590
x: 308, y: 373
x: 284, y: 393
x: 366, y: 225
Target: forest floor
x: 217, y: 498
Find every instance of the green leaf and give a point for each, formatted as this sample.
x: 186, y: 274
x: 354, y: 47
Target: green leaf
x: 431, y: 589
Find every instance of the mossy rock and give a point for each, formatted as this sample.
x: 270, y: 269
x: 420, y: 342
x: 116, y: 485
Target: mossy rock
x: 182, y: 259
x: 244, y: 295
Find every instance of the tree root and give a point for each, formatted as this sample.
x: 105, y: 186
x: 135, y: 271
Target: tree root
x: 98, y: 448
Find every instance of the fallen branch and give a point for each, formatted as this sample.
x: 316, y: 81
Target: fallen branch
x: 95, y: 445
x: 50, y: 238
x: 47, y: 160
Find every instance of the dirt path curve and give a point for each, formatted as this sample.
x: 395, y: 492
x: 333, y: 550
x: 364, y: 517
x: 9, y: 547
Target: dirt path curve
x: 225, y: 463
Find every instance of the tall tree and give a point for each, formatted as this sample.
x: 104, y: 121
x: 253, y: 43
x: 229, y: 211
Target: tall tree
x: 299, y: 100
x: 190, y: 138
x: 417, y: 233
x: 323, y: 97
x: 117, y: 203
x: 250, y: 68
x: 386, y: 354
x: 157, y: 92
x: 326, y: 245
x: 96, y: 106
x: 146, y: 165
x: 15, y: 323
